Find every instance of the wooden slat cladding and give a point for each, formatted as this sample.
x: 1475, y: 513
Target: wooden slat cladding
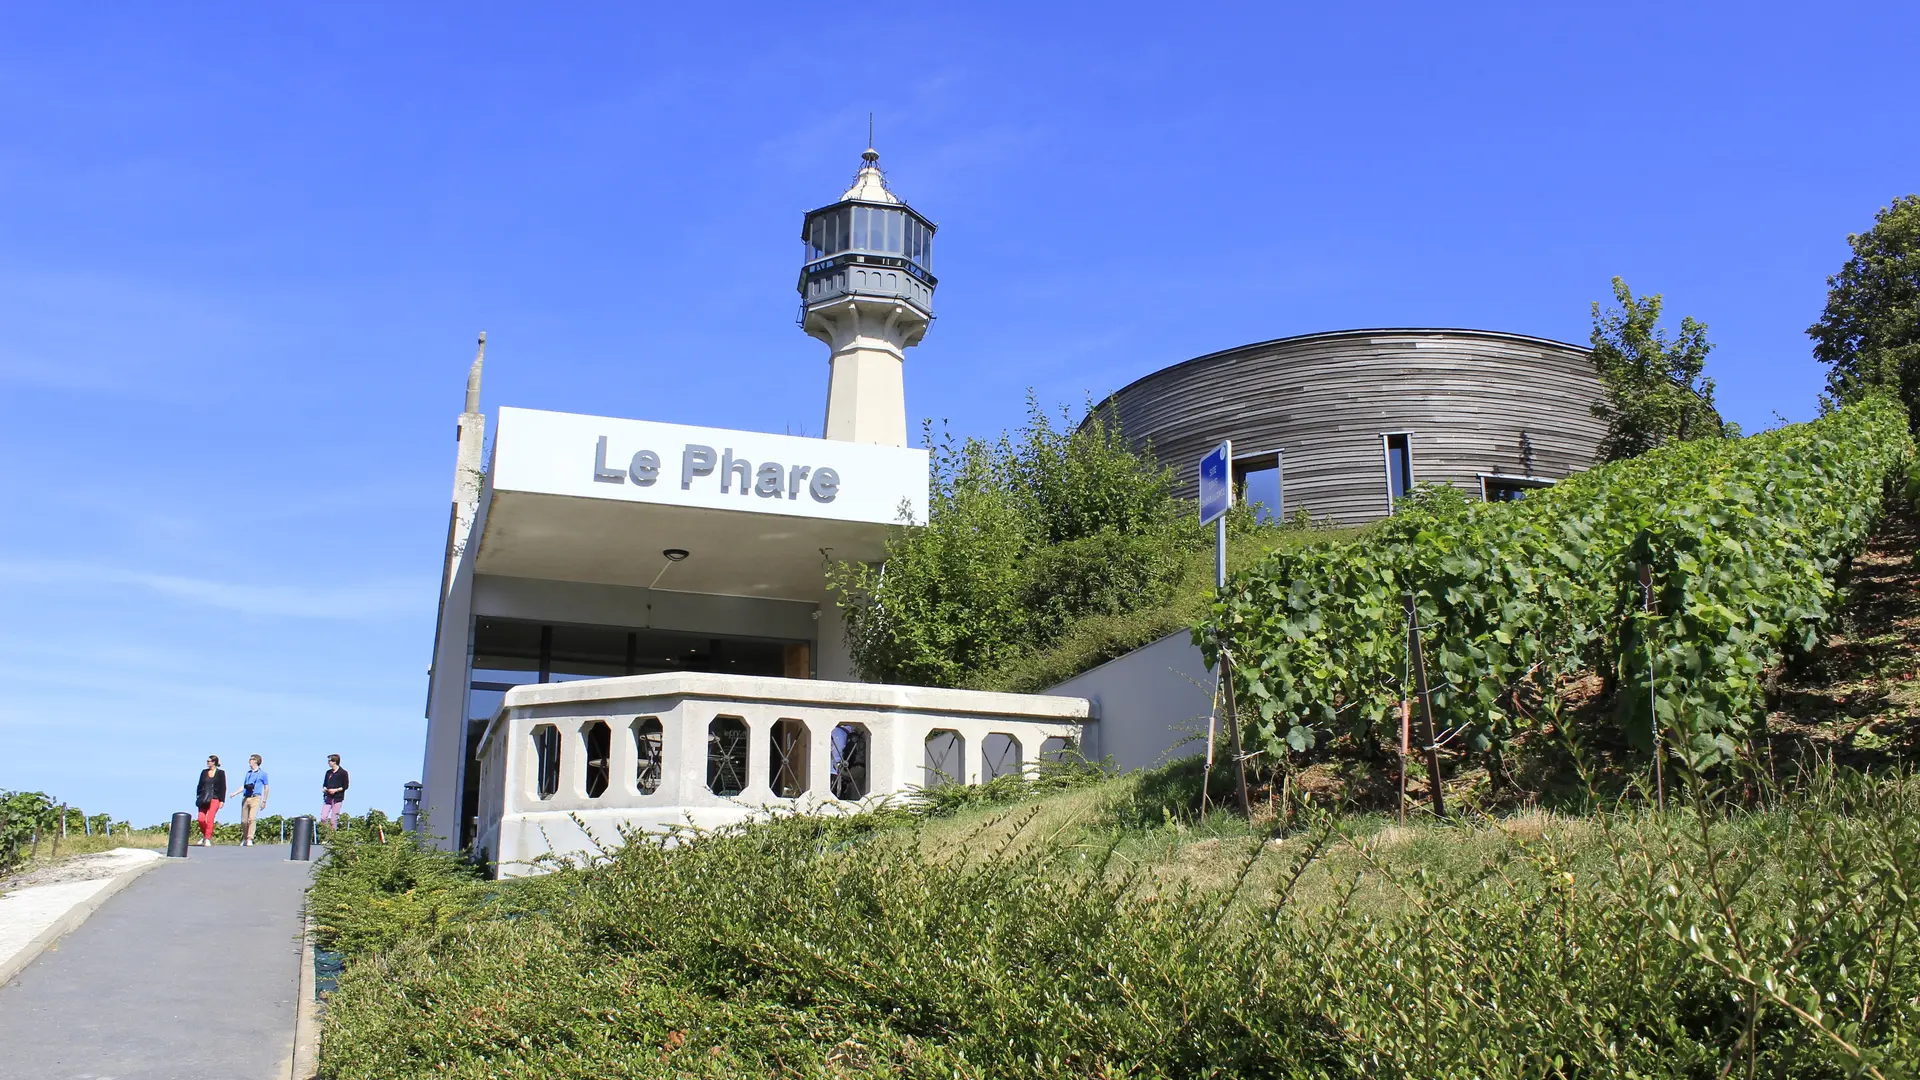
x: 1470, y: 401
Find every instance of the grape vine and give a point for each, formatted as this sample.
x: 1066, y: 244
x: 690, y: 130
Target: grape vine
x: 1744, y: 536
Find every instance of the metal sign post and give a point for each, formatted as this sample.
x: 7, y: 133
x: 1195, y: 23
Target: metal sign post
x: 1216, y: 498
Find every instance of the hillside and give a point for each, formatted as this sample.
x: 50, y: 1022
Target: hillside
x: 1095, y: 926
x: 1089, y: 925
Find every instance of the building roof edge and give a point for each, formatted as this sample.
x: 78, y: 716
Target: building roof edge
x: 1320, y: 334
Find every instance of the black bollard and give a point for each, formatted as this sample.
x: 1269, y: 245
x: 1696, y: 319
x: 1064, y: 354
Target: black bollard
x: 178, y: 835
x: 302, y: 849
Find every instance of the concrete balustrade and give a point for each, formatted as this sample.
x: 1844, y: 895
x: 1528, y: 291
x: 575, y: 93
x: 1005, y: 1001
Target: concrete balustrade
x: 524, y: 814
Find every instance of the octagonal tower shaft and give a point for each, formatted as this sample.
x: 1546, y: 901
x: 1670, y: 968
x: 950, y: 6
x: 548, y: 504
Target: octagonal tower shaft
x: 867, y: 293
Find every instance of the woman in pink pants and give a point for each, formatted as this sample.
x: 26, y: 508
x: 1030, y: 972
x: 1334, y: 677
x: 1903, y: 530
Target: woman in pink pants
x: 333, y: 791
x: 207, y: 797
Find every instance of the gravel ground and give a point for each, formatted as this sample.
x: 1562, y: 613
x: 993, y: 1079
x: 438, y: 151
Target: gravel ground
x: 78, y: 868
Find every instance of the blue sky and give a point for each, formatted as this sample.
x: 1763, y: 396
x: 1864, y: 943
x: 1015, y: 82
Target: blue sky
x: 244, y: 253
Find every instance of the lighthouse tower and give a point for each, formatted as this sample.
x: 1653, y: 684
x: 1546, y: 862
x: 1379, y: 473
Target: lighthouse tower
x: 867, y: 291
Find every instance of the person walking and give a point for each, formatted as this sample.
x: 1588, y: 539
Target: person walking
x: 333, y: 791
x: 208, y: 797
x: 253, y: 798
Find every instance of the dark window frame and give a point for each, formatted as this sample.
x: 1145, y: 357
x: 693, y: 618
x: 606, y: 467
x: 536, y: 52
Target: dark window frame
x: 1386, y: 459
x: 1247, y: 464
x: 1489, y: 481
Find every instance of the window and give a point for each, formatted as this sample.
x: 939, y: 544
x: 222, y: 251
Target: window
x: 787, y: 764
x: 1399, y: 453
x: 546, y: 760
x: 1058, y: 748
x: 511, y: 652
x: 877, y: 229
x: 847, y: 771
x: 1257, y: 483
x: 648, y: 743
x: 919, y: 243
x: 1509, y: 488
x: 816, y: 239
x: 839, y: 230
x: 727, y: 756
x: 946, y: 759
x: 999, y: 756
x: 597, y: 740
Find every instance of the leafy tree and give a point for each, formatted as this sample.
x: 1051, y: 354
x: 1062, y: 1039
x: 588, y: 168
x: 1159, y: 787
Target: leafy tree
x: 1655, y: 390
x: 1025, y: 534
x: 1869, y: 334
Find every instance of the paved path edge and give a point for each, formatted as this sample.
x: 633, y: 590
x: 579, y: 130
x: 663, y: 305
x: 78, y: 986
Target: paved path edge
x: 303, y: 1061
x: 65, y: 924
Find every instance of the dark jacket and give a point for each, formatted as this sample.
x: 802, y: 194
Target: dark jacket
x: 335, y: 778
x: 212, y: 788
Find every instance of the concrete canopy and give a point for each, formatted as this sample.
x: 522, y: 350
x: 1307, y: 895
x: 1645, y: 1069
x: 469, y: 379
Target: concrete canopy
x: 731, y: 552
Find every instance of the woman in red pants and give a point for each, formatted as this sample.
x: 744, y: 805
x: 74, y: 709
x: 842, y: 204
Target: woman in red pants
x: 211, y: 793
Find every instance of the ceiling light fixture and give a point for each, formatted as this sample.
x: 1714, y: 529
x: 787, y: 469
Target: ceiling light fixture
x: 673, y: 555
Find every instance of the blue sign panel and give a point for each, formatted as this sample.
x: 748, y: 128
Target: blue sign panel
x: 1216, y: 483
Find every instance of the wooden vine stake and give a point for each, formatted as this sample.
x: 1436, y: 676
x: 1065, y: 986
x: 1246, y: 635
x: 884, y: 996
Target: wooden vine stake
x: 1406, y: 730
x: 1653, y: 691
x: 1419, y: 662
x: 1233, y: 731
x: 1213, y: 729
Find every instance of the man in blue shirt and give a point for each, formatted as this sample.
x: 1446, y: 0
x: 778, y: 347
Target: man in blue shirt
x: 254, y: 797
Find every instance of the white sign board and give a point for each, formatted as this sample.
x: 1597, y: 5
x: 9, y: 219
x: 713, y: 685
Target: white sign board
x: 599, y: 457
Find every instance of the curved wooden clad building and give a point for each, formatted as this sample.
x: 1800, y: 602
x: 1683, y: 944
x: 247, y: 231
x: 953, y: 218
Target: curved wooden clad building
x: 1346, y: 422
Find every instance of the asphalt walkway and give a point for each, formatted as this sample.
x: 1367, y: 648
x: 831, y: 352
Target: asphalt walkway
x: 192, y: 971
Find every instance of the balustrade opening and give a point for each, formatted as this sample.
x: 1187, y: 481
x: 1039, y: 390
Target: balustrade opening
x: 946, y: 759
x: 1058, y: 748
x: 847, y: 772
x: 788, y: 773
x: 546, y: 760
x: 999, y: 756
x: 597, y: 739
x: 727, y: 756
x: 648, y: 740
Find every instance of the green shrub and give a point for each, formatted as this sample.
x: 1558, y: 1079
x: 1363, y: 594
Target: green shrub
x: 1026, y: 535
x: 378, y: 886
x: 1108, y: 572
x: 1776, y: 942
x: 23, y: 815
x: 1744, y: 537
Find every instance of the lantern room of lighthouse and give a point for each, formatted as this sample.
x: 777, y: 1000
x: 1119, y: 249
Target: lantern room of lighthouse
x: 866, y: 290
